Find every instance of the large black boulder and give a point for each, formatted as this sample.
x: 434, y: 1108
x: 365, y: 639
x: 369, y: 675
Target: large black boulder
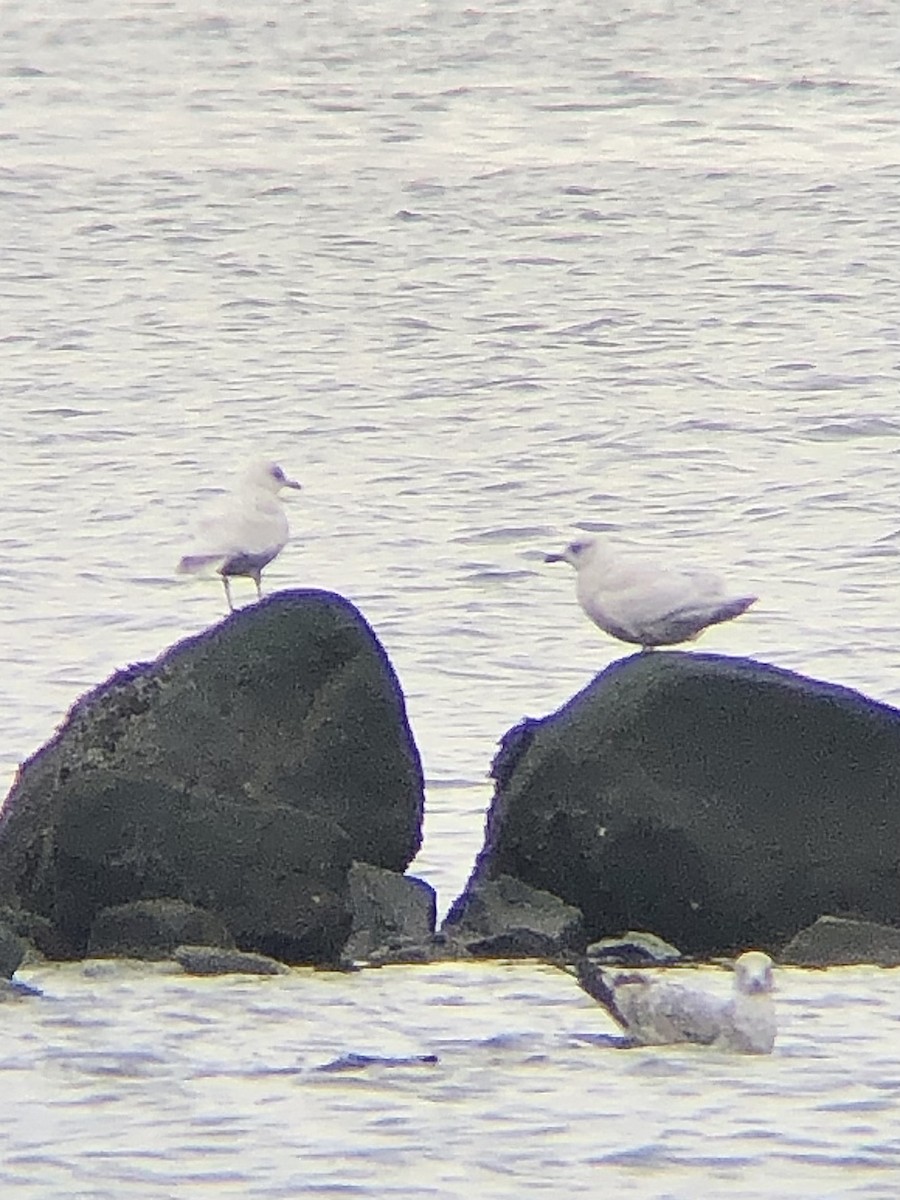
x: 719, y: 803
x: 242, y: 772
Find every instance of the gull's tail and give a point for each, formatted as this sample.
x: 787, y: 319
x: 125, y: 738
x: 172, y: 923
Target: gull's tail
x: 733, y: 608
x: 593, y: 980
x: 196, y: 564
x: 691, y: 621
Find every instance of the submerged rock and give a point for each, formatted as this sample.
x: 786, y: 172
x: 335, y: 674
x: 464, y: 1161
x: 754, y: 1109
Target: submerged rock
x: 843, y: 942
x: 14, y: 989
x: 359, y: 1062
x: 243, y: 771
x: 719, y: 803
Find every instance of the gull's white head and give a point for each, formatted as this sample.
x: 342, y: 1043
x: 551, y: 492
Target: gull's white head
x: 577, y: 553
x: 268, y: 476
x: 753, y: 974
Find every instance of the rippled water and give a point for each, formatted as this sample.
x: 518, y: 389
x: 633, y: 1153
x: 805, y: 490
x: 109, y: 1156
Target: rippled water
x: 139, y: 1084
x: 474, y: 274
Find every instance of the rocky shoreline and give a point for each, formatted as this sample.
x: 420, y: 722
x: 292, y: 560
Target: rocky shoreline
x: 253, y: 798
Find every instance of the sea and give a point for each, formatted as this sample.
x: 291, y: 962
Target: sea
x: 483, y: 277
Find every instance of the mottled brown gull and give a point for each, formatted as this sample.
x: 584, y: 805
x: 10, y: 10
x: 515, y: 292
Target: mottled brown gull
x: 637, y: 600
x: 243, y: 532
x: 655, y: 1011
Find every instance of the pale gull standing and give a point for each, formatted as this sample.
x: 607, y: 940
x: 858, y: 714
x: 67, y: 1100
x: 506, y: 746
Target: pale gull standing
x: 658, y: 1012
x: 245, y: 531
x: 637, y: 600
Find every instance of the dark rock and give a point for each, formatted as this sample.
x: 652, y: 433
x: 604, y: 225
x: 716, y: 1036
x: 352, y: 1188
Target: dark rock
x: 506, y: 918
x: 841, y: 942
x: 153, y: 928
x: 214, y: 960
x: 42, y: 940
x: 277, y: 877
x: 393, y: 916
x: 404, y: 950
x: 633, y: 949
x: 12, y: 951
x: 720, y: 803
x: 241, y: 772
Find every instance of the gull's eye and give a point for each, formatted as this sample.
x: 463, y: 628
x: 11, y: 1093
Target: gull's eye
x: 278, y: 474
x: 578, y: 548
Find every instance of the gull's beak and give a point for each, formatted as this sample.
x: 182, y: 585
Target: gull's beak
x: 292, y: 483
x: 554, y: 558
x: 757, y: 985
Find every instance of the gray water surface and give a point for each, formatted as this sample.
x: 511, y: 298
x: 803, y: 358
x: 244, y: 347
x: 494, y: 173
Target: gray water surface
x: 474, y: 275
x: 133, y: 1083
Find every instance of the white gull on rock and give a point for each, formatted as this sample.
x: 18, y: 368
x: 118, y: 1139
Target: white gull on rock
x: 245, y: 531
x: 658, y: 1012
x: 636, y: 600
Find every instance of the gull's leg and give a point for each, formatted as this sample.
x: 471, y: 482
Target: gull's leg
x: 228, y: 593
x: 256, y: 576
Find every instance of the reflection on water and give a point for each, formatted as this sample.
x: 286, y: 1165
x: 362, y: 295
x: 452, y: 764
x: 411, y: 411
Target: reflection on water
x: 473, y: 275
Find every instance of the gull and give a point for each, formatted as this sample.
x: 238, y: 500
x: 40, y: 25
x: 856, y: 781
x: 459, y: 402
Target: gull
x: 656, y: 1012
x: 245, y: 531
x: 636, y: 600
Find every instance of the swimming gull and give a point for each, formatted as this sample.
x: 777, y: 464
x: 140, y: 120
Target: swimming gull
x: 245, y: 531
x: 657, y: 1012
x: 636, y: 600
